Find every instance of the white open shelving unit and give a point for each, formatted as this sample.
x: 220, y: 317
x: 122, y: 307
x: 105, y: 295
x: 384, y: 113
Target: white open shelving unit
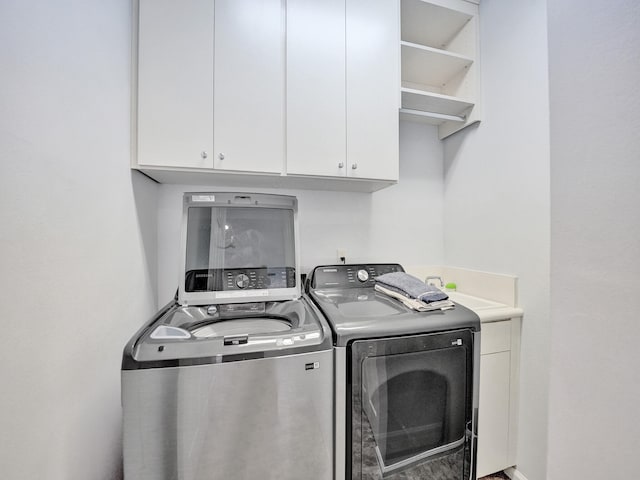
x: 440, y: 63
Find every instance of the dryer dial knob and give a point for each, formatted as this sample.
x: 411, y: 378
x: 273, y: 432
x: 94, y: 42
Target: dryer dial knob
x: 242, y: 281
x: 363, y: 275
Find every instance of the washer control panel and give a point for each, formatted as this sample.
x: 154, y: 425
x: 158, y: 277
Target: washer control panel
x: 257, y: 278
x: 350, y: 276
x: 216, y: 280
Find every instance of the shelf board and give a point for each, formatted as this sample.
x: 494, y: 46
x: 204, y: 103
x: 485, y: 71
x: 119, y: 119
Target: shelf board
x: 431, y: 66
x: 428, y: 24
x: 435, y: 103
x: 209, y: 177
x: 428, y: 117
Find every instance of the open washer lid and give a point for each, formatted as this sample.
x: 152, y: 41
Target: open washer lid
x: 238, y: 247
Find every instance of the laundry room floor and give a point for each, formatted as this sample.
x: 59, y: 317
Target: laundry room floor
x: 496, y: 476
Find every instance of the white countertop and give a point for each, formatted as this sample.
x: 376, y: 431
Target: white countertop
x: 487, y: 310
x: 492, y: 296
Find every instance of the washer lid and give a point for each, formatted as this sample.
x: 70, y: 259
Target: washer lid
x: 238, y: 247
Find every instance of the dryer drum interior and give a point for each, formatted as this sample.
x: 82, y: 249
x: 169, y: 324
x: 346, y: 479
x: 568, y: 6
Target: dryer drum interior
x: 411, y: 403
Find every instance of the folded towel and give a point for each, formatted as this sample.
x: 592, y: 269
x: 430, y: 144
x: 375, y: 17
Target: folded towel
x: 413, y: 303
x: 411, y: 287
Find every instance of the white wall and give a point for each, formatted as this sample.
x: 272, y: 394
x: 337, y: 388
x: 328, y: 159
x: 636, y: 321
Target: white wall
x: 595, y: 239
x: 402, y: 223
x: 77, y: 241
x: 497, y: 194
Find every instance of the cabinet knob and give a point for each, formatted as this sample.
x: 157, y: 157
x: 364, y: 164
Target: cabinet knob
x: 221, y: 156
x: 354, y: 166
x: 340, y: 165
x: 203, y: 154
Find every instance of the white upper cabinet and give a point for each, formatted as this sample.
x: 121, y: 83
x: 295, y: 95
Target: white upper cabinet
x: 440, y: 63
x: 211, y: 84
x: 305, y: 91
x: 248, y: 90
x: 316, y: 121
x: 175, y: 83
x: 372, y: 89
x: 342, y: 88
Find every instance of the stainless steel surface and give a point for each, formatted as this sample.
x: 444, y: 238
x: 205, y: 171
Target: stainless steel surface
x: 340, y: 368
x: 476, y: 402
x: 364, y: 313
x: 267, y: 419
x: 253, y: 401
x: 206, y: 333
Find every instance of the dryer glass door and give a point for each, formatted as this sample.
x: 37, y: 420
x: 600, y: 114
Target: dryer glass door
x: 411, y: 404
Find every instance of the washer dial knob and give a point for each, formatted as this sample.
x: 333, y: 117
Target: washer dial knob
x: 363, y: 275
x: 242, y: 281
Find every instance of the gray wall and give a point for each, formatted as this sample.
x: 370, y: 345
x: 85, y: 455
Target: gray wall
x: 496, y: 194
x: 78, y: 235
x: 81, y: 233
x: 85, y: 242
x: 595, y: 239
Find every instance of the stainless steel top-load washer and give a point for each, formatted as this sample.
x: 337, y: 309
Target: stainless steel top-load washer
x: 233, y: 379
x: 406, y: 381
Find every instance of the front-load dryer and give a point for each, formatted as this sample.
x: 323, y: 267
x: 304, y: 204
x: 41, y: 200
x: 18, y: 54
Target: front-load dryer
x: 406, y: 381
x: 233, y: 379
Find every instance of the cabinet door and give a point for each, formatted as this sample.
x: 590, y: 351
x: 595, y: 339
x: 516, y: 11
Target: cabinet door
x: 249, y: 85
x: 493, y: 419
x: 373, y: 75
x: 175, y: 83
x: 316, y: 130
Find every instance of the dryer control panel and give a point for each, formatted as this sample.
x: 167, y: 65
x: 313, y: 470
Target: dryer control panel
x: 350, y: 276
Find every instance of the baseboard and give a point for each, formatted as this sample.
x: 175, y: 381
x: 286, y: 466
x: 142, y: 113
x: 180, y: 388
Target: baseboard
x: 514, y: 474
